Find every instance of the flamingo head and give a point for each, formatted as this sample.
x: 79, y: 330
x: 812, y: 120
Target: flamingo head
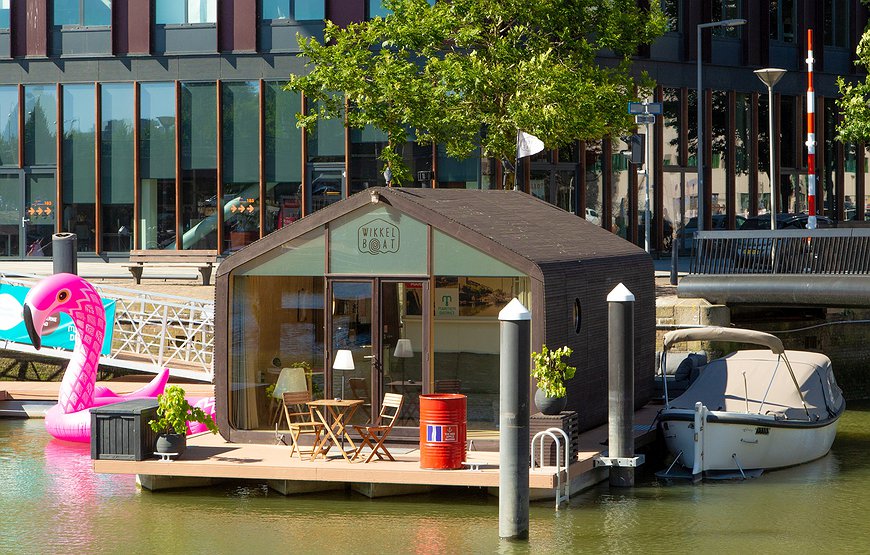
x: 58, y: 293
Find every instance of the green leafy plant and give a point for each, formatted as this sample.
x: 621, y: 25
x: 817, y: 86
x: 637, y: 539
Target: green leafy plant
x: 551, y: 372
x: 174, y: 412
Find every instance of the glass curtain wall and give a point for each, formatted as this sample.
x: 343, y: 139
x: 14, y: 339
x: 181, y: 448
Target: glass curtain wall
x: 453, y: 173
x: 828, y: 171
x: 763, y: 170
x: 619, y: 191
x: 850, y: 180
x: 199, y: 202
x: 9, y: 126
x: 366, y: 169
x: 157, y: 165
x: 40, y: 125
x: 282, y: 156
x: 81, y: 13
x: 79, y: 151
x: 241, y: 163
x: 594, y: 182
x: 181, y: 12
x: 719, y: 133
x: 325, y: 172
x: 743, y: 145
x: 116, y: 166
x: 298, y: 10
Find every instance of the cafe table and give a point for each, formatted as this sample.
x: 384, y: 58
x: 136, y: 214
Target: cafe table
x: 340, y: 411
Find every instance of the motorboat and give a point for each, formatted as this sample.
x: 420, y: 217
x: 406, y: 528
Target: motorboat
x: 750, y: 410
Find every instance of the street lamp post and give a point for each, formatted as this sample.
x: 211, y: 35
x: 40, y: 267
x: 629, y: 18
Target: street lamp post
x: 700, y: 103
x: 770, y: 76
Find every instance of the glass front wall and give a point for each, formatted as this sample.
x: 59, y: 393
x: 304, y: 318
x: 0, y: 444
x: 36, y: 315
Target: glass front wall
x: 282, y: 156
x: 850, y: 180
x: 116, y: 167
x: 836, y: 23
x: 199, y: 202
x: 241, y: 163
x: 352, y: 306
x: 40, y: 125
x: 79, y: 150
x: 782, y: 20
x: 452, y: 173
x: 671, y: 123
x: 9, y: 126
x: 466, y: 339
x: 763, y: 169
x: 828, y: 172
x: 157, y: 165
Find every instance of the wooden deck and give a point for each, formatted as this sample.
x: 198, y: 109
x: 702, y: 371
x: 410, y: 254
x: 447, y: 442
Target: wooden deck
x: 47, y: 391
x: 210, y: 456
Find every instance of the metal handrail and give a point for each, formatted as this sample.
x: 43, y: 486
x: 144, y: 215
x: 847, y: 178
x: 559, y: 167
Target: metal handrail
x: 782, y: 252
x: 155, y: 331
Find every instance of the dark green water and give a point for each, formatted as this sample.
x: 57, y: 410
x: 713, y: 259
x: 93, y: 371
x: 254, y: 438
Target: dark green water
x: 51, y: 502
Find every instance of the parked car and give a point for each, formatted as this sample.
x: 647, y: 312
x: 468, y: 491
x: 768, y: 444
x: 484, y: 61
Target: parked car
x: 755, y: 253
x: 720, y: 222
x: 785, y: 221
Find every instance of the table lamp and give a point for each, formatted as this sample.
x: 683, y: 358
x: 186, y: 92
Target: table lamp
x: 343, y: 361
x: 403, y: 350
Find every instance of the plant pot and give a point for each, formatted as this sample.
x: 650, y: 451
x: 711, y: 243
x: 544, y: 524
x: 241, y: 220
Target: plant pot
x: 171, y: 443
x: 549, y: 405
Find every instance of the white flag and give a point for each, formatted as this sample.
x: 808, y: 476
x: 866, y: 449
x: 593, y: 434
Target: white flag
x: 528, y: 145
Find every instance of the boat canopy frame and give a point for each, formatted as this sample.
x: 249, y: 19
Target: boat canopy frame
x: 737, y: 335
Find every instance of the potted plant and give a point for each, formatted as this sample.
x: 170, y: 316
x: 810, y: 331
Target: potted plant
x: 173, y: 414
x: 551, y: 372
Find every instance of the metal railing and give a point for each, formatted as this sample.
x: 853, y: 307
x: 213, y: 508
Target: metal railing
x: 800, y: 251
x: 152, y: 331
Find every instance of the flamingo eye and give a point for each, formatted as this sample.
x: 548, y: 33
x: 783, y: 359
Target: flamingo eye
x: 62, y: 296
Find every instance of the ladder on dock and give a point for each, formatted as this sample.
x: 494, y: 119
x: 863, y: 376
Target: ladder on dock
x: 563, y: 482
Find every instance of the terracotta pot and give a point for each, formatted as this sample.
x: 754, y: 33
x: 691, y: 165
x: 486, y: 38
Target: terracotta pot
x: 549, y: 405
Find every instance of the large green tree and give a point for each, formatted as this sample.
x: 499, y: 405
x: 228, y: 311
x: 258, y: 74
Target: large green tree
x: 855, y: 100
x: 468, y: 73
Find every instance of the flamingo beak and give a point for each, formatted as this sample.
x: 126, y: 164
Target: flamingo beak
x: 31, y: 329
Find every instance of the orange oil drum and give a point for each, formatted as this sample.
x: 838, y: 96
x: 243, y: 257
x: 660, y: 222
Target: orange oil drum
x: 443, y: 424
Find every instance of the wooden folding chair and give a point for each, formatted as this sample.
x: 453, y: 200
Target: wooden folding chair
x: 375, y: 435
x: 301, y: 423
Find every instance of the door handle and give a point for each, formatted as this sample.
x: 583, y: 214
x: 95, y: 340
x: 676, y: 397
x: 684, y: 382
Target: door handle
x: 25, y: 221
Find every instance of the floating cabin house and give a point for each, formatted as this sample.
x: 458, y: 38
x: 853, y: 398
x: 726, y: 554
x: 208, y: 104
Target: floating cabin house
x: 433, y: 267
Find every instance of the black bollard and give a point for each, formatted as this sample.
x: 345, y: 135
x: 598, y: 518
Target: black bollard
x: 620, y: 444
x: 513, y: 445
x: 64, y: 252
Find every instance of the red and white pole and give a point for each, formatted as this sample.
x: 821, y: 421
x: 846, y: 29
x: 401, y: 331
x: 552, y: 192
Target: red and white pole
x: 811, y: 135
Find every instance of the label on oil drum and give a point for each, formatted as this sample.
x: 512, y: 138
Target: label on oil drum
x: 437, y: 433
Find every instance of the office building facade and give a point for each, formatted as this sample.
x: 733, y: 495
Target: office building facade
x: 164, y: 124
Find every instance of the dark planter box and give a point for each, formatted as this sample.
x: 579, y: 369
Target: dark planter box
x: 569, y: 421
x: 120, y: 432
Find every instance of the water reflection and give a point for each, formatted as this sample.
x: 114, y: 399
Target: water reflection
x: 53, y: 503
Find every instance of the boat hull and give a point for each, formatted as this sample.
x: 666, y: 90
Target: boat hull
x: 740, y: 441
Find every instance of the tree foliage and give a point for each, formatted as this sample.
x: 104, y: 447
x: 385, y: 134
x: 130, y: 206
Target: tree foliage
x: 855, y: 100
x: 470, y: 73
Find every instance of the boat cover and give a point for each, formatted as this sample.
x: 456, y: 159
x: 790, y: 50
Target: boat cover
x: 720, y: 385
x: 713, y: 333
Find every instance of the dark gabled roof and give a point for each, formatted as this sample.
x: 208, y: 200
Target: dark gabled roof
x: 515, y: 227
x: 521, y: 223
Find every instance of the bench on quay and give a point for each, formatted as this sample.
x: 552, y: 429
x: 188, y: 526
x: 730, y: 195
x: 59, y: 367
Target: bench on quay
x: 203, y: 260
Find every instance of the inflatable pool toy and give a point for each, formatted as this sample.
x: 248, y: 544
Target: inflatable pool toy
x: 70, y: 418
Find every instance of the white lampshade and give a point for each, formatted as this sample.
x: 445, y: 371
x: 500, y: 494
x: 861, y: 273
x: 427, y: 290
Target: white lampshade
x: 343, y: 360
x: 403, y: 349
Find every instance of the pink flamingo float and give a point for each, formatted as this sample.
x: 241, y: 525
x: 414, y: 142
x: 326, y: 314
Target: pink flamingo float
x: 70, y: 418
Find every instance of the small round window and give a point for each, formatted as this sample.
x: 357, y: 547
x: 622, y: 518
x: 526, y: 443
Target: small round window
x: 578, y: 315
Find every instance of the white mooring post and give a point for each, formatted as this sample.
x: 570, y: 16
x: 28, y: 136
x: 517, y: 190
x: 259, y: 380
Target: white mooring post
x: 513, y: 445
